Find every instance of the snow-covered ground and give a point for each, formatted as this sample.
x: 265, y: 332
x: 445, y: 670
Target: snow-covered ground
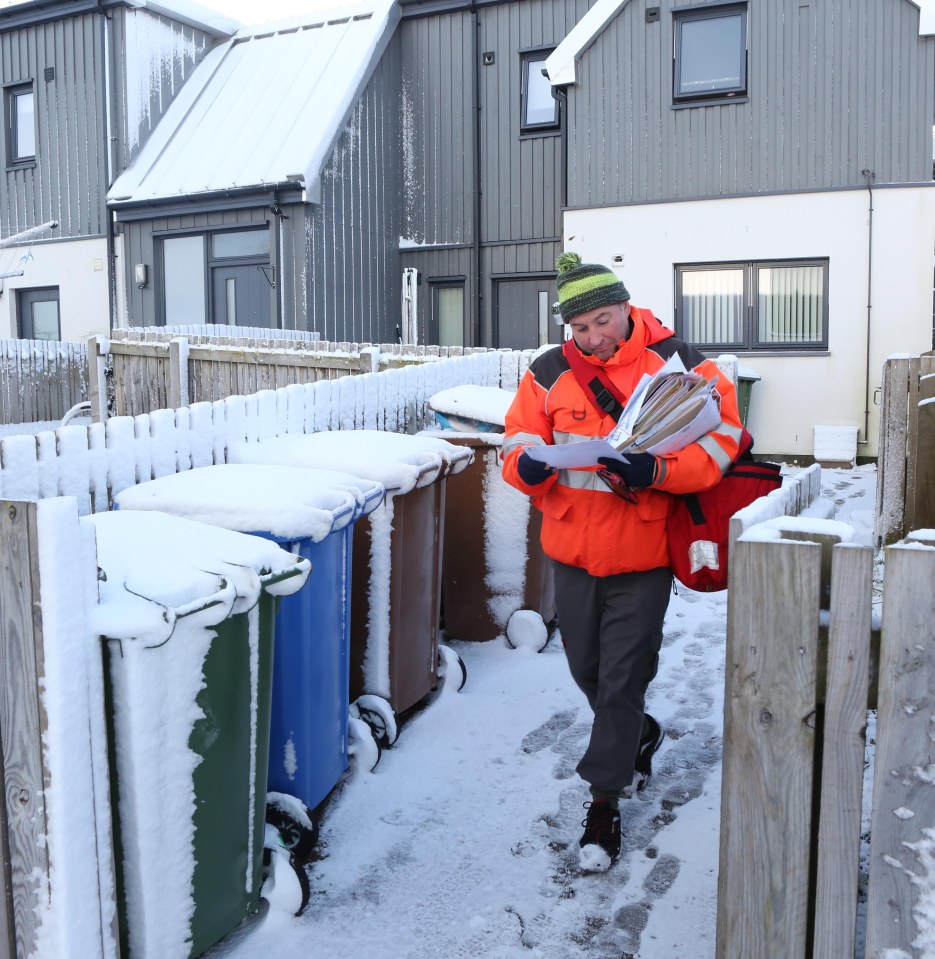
x: 463, y: 841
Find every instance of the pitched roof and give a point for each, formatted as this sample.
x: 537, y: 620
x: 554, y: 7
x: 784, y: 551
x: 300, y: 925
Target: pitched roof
x: 264, y: 109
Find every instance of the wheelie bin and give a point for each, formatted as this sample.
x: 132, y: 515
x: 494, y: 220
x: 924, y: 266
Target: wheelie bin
x: 310, y: 513
x: 493, y: 562
x: 396, y: 571
x: 186, y: 613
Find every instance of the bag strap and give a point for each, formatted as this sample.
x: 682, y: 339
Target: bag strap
x: 596, y: 384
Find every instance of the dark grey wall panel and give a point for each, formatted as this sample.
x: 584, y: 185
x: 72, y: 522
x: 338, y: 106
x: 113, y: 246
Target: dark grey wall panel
x: 438, y: 128
x: 353, y: 278
x: 835, y: 87
x: 68, y: 181
x: 153, y: 57
x: 521, y: 176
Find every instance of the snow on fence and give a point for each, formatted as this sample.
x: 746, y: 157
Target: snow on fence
x: 93, y: 462
x: 159, y: 369
x: 805, y: 661
x: 906, y: 475
x: 41, y: 379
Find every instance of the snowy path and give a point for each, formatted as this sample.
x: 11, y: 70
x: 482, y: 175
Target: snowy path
x: 463, y: 842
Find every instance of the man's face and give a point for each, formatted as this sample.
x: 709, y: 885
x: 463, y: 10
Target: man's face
x: 599, y: 331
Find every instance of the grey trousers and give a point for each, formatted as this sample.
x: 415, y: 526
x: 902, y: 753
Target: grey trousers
x: 612, y: 630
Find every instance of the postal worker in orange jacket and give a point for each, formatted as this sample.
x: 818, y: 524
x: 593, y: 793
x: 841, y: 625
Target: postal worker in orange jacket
x: 607, y: 537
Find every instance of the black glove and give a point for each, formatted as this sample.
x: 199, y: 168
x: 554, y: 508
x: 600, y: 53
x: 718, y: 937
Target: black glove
x: 532, y: 472
x: 638, y: 473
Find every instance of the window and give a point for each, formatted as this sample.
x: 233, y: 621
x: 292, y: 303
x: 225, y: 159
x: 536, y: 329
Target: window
x: 710, y: 54
x: 37, y: 312
x: 540, y: 108
x: 21, y: 123
x: 447, y: 312
x: 772, y: 305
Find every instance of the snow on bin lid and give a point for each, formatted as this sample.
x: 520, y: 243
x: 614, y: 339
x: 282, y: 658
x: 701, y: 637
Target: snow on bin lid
x: 158, y: 567
x: 472, y: 407
x: 398, y: 461
x: 286, y: 501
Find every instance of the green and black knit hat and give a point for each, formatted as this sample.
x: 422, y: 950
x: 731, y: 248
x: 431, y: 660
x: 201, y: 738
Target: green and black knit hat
x: 585, y: 286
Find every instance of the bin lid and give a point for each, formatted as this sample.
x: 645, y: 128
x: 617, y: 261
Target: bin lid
x: 156, y: 568
x: 289, y: 502
x: 472, y: 409
x: 399, y: 461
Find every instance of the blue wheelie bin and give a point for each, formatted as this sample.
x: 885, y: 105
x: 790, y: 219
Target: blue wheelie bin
x: 310, y: 513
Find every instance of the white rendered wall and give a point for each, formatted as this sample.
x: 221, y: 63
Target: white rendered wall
x: 77, y: 267
x: 795, y: 393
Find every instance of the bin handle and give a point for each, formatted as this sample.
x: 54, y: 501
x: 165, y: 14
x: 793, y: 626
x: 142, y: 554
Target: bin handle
x: 271, y: 579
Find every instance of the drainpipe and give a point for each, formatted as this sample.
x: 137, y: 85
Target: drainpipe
x: 106, y: 82
x: 868, y: 176
x: 561, y: 94
x: 478, y: 299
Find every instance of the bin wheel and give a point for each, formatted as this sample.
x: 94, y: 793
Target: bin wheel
x: 380, y: 716
x: 293, y: 819
x: 285, y: 881
x: 363, y: 747
x: 526, y: 629
x: 451, y: 667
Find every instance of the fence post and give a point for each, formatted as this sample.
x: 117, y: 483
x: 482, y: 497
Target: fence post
x: 769, y: 742
x: 844, y: 738
x: 370, y: 359
x: 22, y: 721
x: 178, y: 373
x: 98, y: 348
x: 903, y: 790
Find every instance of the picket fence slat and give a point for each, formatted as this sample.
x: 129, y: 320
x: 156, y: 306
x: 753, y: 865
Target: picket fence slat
x: 769, y: 742
x: 903, y: 794
x: 844, y: 736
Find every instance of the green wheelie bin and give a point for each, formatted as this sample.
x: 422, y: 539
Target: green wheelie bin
x: 187, y: 615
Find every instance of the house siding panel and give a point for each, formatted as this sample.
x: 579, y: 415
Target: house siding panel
x: 822, y: 106
x: 154, y: 56
x: 353, y: 281
x: 68, y: 181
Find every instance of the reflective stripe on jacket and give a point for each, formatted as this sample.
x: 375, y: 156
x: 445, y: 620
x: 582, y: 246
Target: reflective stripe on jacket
x: 584, y: 523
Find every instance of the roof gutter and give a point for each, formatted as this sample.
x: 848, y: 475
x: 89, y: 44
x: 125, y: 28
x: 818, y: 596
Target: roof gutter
x: 128, y: 208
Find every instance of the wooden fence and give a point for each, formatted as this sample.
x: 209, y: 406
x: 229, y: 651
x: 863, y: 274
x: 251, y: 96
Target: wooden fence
x: 906, y: 475
x: 807, y: 656
x: 41, y: 380
x: 155, y: 369
x: 93, y: 462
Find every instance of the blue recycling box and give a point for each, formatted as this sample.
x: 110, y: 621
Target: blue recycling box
x: 310, y: 513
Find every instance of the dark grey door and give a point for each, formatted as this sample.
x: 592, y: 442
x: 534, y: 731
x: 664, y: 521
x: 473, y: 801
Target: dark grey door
x: 240, y: 295
x: 523, y: 313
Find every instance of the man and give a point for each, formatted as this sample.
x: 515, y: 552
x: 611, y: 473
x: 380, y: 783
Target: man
x: 606, y: 535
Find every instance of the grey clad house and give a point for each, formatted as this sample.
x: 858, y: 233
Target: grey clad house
x: 386, y: 171
x: 759, y: 171
x: 84, y: 85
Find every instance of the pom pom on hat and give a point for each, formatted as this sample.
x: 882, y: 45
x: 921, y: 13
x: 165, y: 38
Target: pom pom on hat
x: 585, y: 286
x: 567, y: 261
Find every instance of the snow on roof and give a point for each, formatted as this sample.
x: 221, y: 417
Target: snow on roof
x: 562, y: 63
x: 264, y: 109
x: 185, y: 11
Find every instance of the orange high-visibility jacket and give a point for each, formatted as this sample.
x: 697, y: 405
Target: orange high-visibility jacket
x: 584, y: 523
